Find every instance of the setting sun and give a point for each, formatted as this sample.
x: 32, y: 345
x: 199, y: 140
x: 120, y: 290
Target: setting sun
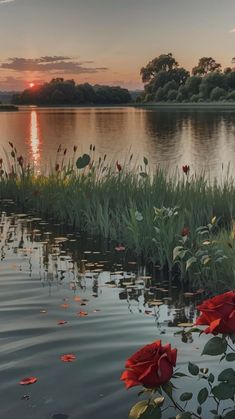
x: 31, y: 85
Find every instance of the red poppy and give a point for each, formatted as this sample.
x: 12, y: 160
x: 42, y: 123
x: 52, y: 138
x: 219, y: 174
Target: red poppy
x: 28, y: 380
x: 68, y: 358
x: 186, y: 169
x: 119, y: 167
x: 185, y: 231
x: 61, y: 322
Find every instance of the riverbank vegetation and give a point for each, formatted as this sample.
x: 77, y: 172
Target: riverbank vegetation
x: 66, y: 92
x: 166, y: 81
x: 181, y: 225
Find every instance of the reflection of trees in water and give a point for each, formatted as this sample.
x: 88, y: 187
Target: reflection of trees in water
x: 163, y: 124
x: 205, y: 125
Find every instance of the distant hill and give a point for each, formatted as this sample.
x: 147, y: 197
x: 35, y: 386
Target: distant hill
x: 5, y: 97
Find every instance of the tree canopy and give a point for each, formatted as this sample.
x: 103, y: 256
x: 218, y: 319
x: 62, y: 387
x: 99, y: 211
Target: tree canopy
x: 166, y: 81
x: 65, y: 92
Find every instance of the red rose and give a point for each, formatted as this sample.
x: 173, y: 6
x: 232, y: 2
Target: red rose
x: 151, y: 366
x: 218, y: 313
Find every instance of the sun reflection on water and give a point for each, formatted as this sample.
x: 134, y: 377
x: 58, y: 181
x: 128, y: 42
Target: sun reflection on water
x: 35, y: 139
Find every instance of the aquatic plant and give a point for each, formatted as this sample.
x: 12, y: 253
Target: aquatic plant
x: 130, y: 203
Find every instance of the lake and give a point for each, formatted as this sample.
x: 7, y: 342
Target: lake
x: 48, y: 275
x: 204, y: 139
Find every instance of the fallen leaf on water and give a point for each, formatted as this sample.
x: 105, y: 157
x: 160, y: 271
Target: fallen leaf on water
x: 68, y: 358
x: 83, y: 304
x: 82, y: 313
x: 60, y: 322
x: 64, y: 305
x: 77, y: 298
x: 28, y: 380
x: 25, y: 397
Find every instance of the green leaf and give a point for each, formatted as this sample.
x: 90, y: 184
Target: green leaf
x: 230, y: 415
x: 145, y: 161
x: 199, y: 410
x: 202, y: 395
x: 185, y: 415
x: 186, y: 396
x: 224, y: 391
x: 215, y: 346
x: 211, y: 378
x: 159, y: 401
x: 190, y: 262
x: 144, y: 410
x: 167, y: 388
x: 193, y: 368
x: 83, y: 161
x: 177, y: 251
x: 179, y: 374
x: 227, y: 375
x: 143, y: 174
x: 230, y: 357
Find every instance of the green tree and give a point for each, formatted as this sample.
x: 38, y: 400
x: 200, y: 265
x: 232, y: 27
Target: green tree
x: 218, y: 93
x: 165, y: 62
x: 206, y: 65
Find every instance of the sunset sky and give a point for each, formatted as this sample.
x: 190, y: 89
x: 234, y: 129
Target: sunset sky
x: 108, y: 41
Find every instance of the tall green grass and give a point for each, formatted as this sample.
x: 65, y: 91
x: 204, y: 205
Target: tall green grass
x: 128, y: 204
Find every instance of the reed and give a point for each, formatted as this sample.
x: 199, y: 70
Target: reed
x: 146, y: 210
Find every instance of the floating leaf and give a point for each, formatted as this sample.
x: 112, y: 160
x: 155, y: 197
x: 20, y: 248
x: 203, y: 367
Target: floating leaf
x: 68, y: 357
x: 27, y: 381
x: 61, y: 322
x: 82, y: 313
x: 83, y: 161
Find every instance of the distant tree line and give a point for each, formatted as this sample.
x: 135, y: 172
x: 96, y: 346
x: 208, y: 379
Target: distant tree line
x: 66, y: 92
x: 166, y: 81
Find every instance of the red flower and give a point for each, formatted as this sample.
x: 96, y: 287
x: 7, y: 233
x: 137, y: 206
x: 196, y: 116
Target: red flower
x: 151, y: 366
x: 119, y: 167
x: 185, y: 231
x: 218, y: 313
x: 186, y: 169
x: 57, y: 167
x: 28, y: 380
x: 20, y: 160
x: 68, y: 358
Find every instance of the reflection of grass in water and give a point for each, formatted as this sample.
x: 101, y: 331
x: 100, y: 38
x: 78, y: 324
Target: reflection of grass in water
x: 117, y: 202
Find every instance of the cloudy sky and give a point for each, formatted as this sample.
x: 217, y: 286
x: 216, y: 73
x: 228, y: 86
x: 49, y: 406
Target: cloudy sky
x: 108, y: 41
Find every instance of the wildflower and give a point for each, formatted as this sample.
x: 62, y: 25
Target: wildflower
x: 186, y: 169
x: 185, y: 231
x: 20, y: 160
x: 119, y: 167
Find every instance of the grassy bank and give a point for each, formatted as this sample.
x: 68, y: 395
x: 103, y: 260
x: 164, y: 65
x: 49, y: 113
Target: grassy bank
x: 188, y: 105
x: 181, y: 224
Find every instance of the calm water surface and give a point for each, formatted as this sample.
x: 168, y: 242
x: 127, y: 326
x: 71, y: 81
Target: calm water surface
x: 205, y: 139
x: 43, y: 271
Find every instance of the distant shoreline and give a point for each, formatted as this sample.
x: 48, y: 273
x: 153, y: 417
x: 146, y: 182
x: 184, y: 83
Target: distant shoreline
x: 187, y: 105
x: 11, y: 108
